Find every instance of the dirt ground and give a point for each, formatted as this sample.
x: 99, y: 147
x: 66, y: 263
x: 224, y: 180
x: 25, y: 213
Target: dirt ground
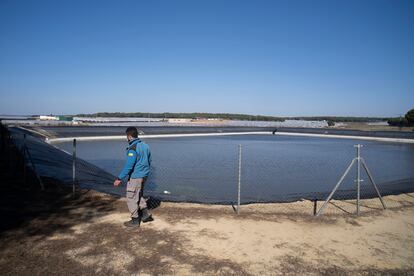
x: 52, y: 233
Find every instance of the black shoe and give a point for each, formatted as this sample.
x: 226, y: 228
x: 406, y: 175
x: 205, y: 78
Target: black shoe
x: 134, y: 222
x: 147, y: 219
x: 146, y: 216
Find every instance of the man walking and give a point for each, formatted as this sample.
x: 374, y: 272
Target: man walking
x: 137, y: 169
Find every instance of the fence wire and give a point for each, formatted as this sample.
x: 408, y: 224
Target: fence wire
x: 205, y: 170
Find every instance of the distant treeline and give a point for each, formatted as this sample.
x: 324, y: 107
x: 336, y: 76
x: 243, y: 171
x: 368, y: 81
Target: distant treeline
x: 196, y: 115
x: 407, y: 120
x: 229, y: 116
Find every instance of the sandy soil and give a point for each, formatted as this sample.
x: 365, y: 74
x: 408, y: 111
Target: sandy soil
x: 53, y: 233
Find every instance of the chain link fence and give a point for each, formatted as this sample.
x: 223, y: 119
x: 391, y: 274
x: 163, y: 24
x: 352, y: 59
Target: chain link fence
x: 269, y: 169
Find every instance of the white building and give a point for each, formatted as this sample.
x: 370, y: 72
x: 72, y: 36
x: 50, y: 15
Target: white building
x: 179, y: 120
x: 48, y: 118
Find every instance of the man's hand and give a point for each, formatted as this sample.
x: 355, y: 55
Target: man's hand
x: 117, y: 182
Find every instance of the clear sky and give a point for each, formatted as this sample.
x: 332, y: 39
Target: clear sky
x: 284, y: 58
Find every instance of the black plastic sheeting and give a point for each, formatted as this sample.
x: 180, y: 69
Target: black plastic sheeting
x: 80, y: 131
x: 54, y: 163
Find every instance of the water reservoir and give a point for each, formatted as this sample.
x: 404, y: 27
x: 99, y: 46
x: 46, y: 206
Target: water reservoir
x: 274, y: 168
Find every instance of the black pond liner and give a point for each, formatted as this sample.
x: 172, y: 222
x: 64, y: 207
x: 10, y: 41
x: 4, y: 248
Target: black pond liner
x: 52, y: 162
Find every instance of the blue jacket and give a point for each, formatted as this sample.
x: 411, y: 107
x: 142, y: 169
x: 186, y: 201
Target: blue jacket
x: 138, y: 160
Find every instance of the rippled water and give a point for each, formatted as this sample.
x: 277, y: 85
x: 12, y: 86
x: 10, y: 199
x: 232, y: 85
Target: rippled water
x: 274, y: 168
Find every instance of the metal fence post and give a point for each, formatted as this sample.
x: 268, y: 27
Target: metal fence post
x: 74, y: 167
x: 335, y: 188
x: 23, y: 153
x: 9, y: 151
x: 239, y: 180
x: 2, y: 137
x: 373, y: 183
x: 315, y: 206
x: 358, y: 180
x: 29, y: 158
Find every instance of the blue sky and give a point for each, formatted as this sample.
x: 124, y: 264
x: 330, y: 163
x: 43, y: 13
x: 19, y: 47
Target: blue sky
x: 284, y: 58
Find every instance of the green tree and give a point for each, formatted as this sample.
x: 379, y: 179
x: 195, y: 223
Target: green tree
x: 407, y: 120
x: 410, y: 117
